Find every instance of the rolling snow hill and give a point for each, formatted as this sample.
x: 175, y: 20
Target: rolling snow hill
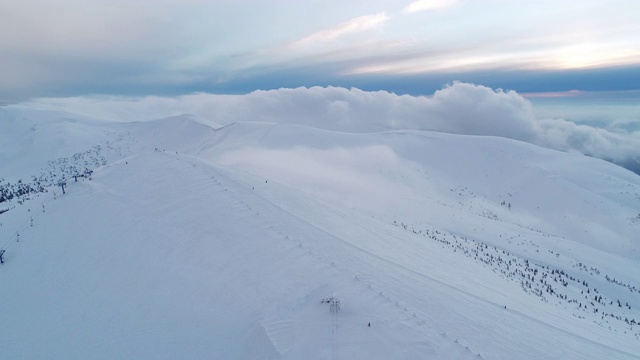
x: 186, y: 240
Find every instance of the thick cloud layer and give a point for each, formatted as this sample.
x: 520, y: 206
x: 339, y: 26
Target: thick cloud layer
x: 459, y: 108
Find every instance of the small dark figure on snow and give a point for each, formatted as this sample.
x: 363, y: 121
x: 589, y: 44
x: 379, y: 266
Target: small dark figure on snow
x: 369, y: 325
x: 1, y: 256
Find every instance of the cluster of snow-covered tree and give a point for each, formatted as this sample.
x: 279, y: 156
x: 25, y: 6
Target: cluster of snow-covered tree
x: 58, y: 171
x: 19, y: 190
x: 544, y: 281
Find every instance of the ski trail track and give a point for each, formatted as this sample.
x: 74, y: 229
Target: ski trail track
x: 407, y: 283
x: 326, y: 251
x: 427, y: 302
x: 113, y: 305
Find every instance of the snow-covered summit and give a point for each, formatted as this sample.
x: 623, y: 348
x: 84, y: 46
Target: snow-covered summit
x: 193, y: 240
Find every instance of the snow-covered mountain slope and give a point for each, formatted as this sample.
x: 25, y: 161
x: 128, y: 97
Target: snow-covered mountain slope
x: 191, y: 241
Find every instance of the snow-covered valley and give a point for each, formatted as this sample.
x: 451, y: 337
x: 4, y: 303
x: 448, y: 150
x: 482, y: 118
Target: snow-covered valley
x: 184, y: 239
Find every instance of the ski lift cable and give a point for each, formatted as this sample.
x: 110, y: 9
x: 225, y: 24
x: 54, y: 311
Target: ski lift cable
x: 34, y: 215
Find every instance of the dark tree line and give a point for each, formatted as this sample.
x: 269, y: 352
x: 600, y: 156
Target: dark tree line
x: 9, y: 191
x: 58, y: 171
x: 543, y: 281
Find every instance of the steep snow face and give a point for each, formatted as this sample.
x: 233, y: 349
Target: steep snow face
x: 192, y: 241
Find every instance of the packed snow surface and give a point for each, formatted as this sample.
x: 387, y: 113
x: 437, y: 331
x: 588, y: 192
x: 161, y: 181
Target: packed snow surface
x: 181, y: 239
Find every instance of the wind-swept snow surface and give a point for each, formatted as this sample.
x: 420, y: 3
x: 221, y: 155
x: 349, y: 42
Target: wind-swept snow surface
x: 190, y: 241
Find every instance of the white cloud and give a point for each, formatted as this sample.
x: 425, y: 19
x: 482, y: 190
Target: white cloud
x: 353, y: 26
x: 345, y: 175
x: 426, y: 5
x: 145, y: 46
x: 459, y: 108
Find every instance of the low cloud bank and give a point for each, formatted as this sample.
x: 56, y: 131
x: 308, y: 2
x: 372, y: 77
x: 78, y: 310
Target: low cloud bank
x: 458, y: 108
x: 347, y: 176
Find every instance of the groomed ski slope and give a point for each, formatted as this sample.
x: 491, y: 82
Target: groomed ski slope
x: 194, y: 242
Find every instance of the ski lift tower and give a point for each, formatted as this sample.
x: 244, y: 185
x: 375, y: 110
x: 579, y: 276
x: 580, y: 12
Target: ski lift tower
x: 334, y: 303
x: 334, y: 306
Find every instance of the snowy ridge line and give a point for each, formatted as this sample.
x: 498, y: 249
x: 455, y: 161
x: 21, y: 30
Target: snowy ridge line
x: 193, y: 158
x: 523, y: 284
x: 527, y: 277
x: 373, y: 287
x: 332, y: 264
x: 369, y: 285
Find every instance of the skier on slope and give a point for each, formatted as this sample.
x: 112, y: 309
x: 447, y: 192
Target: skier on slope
x: 1, y: 256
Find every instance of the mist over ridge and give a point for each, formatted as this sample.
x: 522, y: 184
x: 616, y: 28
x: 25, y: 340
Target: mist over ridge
x: 458, y: 108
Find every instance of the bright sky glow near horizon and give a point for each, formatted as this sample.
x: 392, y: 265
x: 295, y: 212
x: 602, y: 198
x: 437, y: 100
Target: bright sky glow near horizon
x: 170, y: 47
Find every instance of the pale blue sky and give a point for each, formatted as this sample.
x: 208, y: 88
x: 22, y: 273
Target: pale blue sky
x: 166, y: 47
